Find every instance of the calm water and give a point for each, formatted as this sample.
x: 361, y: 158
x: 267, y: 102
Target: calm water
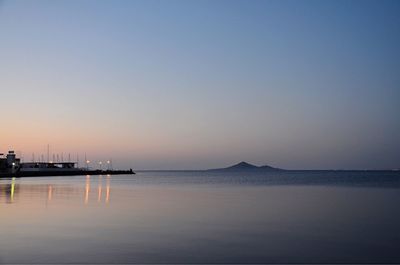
x: 200, y: 217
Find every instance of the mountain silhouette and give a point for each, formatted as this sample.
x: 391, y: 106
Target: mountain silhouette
x: 244, y: 166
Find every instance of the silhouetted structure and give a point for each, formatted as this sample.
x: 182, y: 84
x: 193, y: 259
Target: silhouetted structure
x: 11, y: 166
x: 10, y: 163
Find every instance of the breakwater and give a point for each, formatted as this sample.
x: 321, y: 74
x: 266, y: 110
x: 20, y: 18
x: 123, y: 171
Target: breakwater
x: 65, y: 173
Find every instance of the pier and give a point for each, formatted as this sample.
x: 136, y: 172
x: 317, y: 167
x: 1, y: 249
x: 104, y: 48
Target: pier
x: 11, y: 166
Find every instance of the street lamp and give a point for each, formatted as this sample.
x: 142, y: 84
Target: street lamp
x: 87, y: 164
x: 100, y: 163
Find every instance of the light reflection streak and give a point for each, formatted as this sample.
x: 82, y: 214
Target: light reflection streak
x: 108, y: 189
x: 11, y: 190
x: 99, y: 188
x: 87, y: 189
x: 50, y: 193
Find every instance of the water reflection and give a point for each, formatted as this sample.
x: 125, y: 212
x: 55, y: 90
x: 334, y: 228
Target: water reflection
x: 99, y: 189
x: 108, y: 188
x: 15, y: 190
x: 87, y: 189
x: 157, y: 219
x: 50, y: 193
x: 8, y: 191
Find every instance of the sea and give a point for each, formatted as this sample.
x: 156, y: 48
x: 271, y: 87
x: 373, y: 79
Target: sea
x: 200, y: 217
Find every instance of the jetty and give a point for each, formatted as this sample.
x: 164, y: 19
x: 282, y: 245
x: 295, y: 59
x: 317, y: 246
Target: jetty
x: 11, y: 166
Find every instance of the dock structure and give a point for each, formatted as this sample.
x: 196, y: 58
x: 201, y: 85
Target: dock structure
x: 9, y: 163
x: 11, y: 166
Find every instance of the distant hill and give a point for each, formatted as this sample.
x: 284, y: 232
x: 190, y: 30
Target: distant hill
x: 246, y: 167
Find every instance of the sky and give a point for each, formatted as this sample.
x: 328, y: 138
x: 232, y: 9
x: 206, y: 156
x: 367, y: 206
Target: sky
x: 203, y: 84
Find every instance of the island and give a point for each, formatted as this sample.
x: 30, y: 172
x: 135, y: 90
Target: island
x: 246, y: 167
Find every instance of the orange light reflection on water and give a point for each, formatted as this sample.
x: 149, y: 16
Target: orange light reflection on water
x: 108, y: 188
x: 99, y: 189
x: 87, y: 189
x: 16, y: 191
x: 50, y: 193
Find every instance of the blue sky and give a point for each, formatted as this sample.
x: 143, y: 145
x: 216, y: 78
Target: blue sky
x: 199, y: 84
